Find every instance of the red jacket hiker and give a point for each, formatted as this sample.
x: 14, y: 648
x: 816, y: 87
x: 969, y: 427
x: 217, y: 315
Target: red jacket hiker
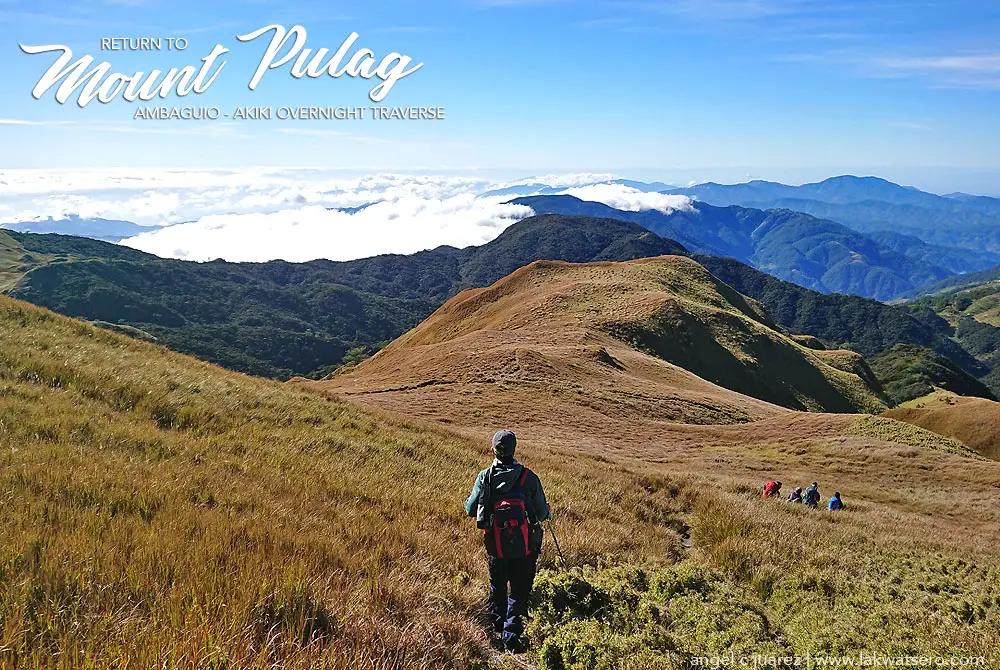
x: 772, y: 489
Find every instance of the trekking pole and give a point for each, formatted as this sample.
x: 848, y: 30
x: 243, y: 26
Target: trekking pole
x: 554, y: 539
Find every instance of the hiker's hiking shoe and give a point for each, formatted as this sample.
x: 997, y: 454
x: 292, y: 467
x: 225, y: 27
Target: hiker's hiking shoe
x: 516, y: 645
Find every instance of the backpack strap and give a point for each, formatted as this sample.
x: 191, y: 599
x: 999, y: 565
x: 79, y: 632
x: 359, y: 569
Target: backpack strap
x: 486, y: 494
x: 528, y: 509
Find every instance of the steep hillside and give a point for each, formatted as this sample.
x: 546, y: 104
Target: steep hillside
x: 953, y: 259
x: 811, y: 252
x: 12, y: 261
x: 658, y: 336
x: 943, y: 355
x: 913, y: 372
x: 973, y: 421
x: 972, y: 310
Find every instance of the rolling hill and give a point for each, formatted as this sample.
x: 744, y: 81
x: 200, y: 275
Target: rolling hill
x: 814, y: 253
x: 973, y: 421
x: 657, y: 336
x: 543, y: 351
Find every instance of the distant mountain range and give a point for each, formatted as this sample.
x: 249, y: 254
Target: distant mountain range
x: 815, y: 253
x: 538, y: 188
x: 108, y: 230
x: 870, y: 204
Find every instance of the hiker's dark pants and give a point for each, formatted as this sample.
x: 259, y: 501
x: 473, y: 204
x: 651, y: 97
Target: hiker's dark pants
x: 508, y: 609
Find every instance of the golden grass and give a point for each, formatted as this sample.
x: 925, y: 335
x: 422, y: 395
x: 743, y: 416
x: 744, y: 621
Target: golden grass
x: 900, y: 432
x: 11, y: 266
x: 973, y: 421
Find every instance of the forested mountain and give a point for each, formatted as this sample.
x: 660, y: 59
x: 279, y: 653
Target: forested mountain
x: 815, y: 253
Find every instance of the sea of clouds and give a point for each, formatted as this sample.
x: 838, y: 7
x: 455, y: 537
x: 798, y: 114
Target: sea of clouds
x: 297, y: 215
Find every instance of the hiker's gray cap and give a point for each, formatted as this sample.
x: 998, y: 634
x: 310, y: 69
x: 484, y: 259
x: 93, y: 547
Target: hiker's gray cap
x: 504, y: 441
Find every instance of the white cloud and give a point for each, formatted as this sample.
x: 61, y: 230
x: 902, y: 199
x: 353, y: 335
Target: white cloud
x: 159, y: 197
x: 630, y: 199
x: 260, y: 214
x: 406, y: 225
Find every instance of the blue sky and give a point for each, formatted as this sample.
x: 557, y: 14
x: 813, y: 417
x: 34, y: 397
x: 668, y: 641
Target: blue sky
x: 679, y: 89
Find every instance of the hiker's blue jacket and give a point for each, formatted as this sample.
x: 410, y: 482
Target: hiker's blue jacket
x: 835, y: 504
x: 505, y: 476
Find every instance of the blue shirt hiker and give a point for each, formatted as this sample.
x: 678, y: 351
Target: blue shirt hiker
x: 835, y: 504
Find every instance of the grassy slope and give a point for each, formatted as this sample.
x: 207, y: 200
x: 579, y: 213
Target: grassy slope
x: 12, y: 261
x: 875, y: 329
x: 161, y: 511
x: 973, y: 421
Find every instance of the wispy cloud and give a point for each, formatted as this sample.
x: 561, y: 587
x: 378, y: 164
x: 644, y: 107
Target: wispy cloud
x: 405, y: 29
x: 324, y: 132
x: 944, y: 70
x: 207, y: 29
x: 771, y: 20
x: 912, y: 125
x: 975, y: 64
x: 26, y: 122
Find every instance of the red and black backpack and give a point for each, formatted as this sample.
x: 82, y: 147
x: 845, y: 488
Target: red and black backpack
x: 513, y: 531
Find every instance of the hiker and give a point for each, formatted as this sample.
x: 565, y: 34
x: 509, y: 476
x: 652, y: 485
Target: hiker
x: 811, y: 496
x: 772, y: 489
x: 795, y: 496
x: 836, y: 504
x: 509, y: 505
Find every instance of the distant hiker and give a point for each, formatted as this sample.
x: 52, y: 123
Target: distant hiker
x: 811, y: 496
x: 509, y: 505
x: 772, y: 489
x: 836, y: 504
x: 795, y: 496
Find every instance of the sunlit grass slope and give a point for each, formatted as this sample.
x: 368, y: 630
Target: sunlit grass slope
x: 161, y: 512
